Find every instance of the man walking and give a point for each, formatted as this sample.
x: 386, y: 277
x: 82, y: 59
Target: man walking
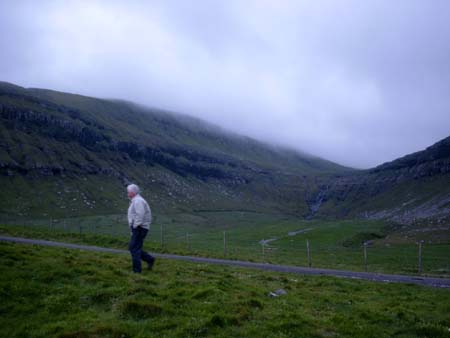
x: 139, y: 220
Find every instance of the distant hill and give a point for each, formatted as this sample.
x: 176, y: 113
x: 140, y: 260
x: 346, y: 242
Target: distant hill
x: 65, y: 155
x: 410, y: 189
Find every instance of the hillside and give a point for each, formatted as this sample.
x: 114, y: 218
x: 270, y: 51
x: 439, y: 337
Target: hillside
x: 412, y: 189
x: 73, y: 154
x: 64, y: 155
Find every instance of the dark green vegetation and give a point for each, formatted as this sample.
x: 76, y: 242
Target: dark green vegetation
x: 49, y: 292
x: 64, y: 155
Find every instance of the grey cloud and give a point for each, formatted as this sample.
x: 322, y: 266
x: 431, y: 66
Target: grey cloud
x: 356, y: 82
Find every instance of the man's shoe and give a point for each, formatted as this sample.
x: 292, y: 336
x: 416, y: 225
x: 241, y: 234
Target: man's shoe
x: 150, y: 265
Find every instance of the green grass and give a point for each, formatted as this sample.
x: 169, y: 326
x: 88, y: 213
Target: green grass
x: 50, y: 292
x: 334, y: 244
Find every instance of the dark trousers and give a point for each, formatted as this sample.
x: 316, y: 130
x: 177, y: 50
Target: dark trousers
x: 135, y: 247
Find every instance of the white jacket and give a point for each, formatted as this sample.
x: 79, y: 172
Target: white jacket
x: 139, y: 213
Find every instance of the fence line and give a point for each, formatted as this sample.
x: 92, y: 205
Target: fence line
x: 413, y: 258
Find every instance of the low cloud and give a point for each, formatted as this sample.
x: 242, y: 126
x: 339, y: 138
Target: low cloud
x: 359, y: 83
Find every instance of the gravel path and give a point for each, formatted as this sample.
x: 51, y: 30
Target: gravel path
x: 388, y: 278
x: 291, y: 233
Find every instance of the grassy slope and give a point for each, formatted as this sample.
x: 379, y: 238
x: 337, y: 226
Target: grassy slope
x: 48, y: 292
x: 400, y: 197
x: 274, y: 177
x: 407, y: 188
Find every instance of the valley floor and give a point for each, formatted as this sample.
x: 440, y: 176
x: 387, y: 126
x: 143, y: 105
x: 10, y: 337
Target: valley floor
x: 265, y: 238
x: 386, y: 278
x: 54, y: 292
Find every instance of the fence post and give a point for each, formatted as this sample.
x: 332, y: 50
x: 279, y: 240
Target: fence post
x: 162, y: 237
x: 365, y: 256
x: 308, y: 252
x: 420, y: 257
x: 263, y: 250
x: 80, y: 227
x: 225, y: 243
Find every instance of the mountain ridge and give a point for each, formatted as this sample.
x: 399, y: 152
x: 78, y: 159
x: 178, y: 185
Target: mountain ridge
x: 186, y: 165
x: 174, y: 118
x: 63, y: 147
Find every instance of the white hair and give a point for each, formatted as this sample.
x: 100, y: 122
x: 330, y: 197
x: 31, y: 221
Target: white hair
x: 133, y: 188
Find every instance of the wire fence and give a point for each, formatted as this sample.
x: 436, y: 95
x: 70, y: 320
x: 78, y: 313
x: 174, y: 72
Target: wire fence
x: 297, y: 250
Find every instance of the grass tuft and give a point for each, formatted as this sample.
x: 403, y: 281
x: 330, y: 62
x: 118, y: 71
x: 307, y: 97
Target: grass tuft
x: 138, y: 310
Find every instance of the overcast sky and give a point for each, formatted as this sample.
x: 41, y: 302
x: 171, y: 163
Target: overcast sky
x: 356, y: 82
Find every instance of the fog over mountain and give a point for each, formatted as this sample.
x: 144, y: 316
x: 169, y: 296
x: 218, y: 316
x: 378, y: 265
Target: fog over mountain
x: 359, y: 83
